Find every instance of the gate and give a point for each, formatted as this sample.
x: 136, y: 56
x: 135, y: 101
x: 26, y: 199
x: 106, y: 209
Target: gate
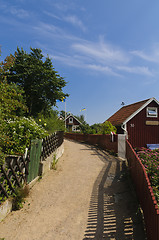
x: 35, y: 153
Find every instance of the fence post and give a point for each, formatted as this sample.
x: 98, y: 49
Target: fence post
x: 35, y: 153
x: 122, y: 145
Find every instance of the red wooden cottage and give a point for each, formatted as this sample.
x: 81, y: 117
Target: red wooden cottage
x: 72, y: 123
x: 139, y: 121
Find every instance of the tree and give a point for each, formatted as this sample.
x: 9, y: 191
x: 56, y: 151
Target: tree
x: 5, y: 67
x: 96, y: 127
x: 11, y: 95
x: 51, y: 121
x: 81, y: 119
x: 11, y: 101
x: 107, y: 128
x: 41, y: 83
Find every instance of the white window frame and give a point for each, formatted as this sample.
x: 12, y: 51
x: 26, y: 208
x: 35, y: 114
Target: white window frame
x: 155, y: 109
x: 74, y: 128
x: 71, y: 120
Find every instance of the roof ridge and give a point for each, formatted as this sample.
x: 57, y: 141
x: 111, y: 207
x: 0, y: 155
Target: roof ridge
x: 125, y: 113
x: 136, y: 103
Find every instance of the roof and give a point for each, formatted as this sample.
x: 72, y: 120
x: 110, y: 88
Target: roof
x: 124, y: 114
x: 73, y: 117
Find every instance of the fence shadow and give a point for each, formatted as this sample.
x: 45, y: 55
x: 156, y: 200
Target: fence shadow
x: 114, y: 211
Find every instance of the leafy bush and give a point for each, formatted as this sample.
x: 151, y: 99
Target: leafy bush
x: 104, y: 128
x: 150, y: 160
x: 107, y: 128
x: 50, y: 121
x: 19, y: 132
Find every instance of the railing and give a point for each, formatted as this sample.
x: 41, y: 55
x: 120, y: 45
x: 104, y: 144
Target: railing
x: 144, y: 193
x: 13, y: 173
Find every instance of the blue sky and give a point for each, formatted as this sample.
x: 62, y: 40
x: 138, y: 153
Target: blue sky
x: 107, y: 50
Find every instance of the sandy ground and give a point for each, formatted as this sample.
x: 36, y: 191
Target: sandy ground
x: 88, y: 197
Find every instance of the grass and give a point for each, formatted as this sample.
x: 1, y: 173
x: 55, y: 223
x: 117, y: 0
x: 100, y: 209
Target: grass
x: 54, y: 162
x: 19, y: 197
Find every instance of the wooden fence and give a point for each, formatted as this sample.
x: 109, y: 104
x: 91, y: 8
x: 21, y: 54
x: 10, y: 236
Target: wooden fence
x: 103, y: 141
x: 144, y: 193
x: 12, y: 174
x: 15, y: 171
x: 51, y: 143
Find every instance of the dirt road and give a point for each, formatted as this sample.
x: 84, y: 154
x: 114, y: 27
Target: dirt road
x: 87, y: 197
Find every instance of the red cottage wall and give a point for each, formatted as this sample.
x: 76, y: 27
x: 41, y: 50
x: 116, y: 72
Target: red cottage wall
x: 75, y: 122
x: 140, y: 134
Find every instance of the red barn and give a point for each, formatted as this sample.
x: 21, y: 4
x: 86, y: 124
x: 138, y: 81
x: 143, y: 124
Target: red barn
x: 139, y: 121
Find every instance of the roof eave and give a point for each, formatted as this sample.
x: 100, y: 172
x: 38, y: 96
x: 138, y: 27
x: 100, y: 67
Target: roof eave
x: 142, y: 107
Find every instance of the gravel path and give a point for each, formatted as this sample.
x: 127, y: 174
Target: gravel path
x: 87, y: 197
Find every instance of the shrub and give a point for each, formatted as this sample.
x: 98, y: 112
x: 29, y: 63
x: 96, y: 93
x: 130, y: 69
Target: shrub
x: 150, y: 160
x: 107, y: 128
x: 50, y: 121
x: 19, y: 132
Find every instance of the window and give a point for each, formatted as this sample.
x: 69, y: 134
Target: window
x: 70, y: 120
x: 151, y: 112
x: 75, y: 128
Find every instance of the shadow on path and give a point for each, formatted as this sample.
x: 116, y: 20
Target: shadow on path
x: 114, y: 211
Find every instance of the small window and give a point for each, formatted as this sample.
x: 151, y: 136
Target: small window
x: 151, y: 112
x: 70, y: 120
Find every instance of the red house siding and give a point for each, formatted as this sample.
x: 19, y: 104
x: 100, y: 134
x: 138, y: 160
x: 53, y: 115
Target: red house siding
x: 140, y: 134
x: 75, y: 122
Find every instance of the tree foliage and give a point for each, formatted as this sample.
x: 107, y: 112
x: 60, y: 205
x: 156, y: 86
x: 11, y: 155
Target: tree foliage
x: 97, y: 128
x: 27, y: 80
x: 51, y: 121
x: 5, y: 67
x: 11, y: 100
x: 107, y: 128
x: 41, y: 83
x: 81, y: 119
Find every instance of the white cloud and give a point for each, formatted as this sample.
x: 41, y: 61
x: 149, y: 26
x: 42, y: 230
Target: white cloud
x: 98, y: 56
x: 152, y: 56
x: 136, y: 70
x: 52, y: 32
x: 103, y: 69
x: 52, y: 15
x: 75, y: 21
x: 14, y: 10
x: 63, y: 7
x: 102, y: 52
x: 48, y: 30
x: 75, y: 61
x: 144, y: 56
x: 21, y: 13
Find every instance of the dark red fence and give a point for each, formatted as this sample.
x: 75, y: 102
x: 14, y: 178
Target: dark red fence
x: 103, y: 141
x: 144, y: 193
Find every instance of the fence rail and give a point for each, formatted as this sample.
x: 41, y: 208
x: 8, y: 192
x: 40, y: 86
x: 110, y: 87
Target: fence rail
x: 51, y: 143
x: 13, y: 173
x: 104, y: 141
x: 15, y: 170
x: 144, y: 193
